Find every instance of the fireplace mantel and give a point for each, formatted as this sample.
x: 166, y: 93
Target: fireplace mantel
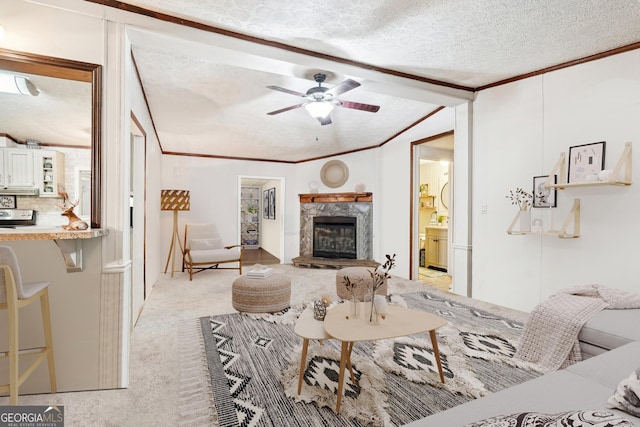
x: 335, y: 197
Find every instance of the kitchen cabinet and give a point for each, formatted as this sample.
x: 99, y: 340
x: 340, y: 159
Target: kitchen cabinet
x: 22, y: 168
x: 49, y: 172
x: 16, y: 168
x: 437, y: 247
x: 250, y: 217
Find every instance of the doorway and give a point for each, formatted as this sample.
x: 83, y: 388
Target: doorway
x: 261, y: 219
x: 137, y: 215
x: 432, y: 214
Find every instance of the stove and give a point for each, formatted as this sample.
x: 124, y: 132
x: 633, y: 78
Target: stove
x: 10, y: 218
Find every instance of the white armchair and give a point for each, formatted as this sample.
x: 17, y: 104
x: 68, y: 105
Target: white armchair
x: 203, y: 249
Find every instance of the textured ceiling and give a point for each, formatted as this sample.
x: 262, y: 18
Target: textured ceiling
x: 214, y: 103
x: 207, y: 92
x: 468, y: 42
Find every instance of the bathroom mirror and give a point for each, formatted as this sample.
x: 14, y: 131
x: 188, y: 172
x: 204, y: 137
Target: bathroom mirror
x: 69, y: 104
x: 444, y: 195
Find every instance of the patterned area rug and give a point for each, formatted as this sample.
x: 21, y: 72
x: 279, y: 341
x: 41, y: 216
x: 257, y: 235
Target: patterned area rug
x: 254, y: 366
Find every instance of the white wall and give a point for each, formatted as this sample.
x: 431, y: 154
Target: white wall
x: 155, y: 253
x: 520, y: 129
x: 214, y: 194
x: 75, y: 297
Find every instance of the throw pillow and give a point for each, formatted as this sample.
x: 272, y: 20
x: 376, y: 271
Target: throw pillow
x: 204, y: 244
x: 627, y: 395
x: 593, y: 418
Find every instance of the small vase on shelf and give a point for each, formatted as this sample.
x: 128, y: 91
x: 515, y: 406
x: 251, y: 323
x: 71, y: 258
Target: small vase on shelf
x: 525, y: 220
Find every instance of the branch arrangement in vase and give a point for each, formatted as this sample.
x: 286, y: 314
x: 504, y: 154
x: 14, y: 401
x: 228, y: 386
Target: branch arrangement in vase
x: 521, y: 198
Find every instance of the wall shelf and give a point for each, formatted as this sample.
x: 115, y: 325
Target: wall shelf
x: 427, y: 202
x: 572, y: 218
x: 560, y: 169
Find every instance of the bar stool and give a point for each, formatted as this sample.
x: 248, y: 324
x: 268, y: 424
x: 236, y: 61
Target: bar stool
x: 15, y: 295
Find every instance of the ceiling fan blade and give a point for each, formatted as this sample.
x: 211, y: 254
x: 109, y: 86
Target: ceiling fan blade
x: 325, y: 120
x: 282, y: 110
x: 289, y: 91
x: 343, y: 87
x: 359, y: 106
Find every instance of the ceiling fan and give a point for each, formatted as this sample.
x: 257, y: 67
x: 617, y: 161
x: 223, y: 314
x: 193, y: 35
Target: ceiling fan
x: 320, y: 100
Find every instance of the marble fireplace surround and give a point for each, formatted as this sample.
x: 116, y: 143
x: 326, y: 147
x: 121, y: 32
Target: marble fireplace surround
x: 359, y: 205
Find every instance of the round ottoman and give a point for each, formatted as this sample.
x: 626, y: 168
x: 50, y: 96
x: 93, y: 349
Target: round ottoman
x: 257, y: 295
x: 361, y: 276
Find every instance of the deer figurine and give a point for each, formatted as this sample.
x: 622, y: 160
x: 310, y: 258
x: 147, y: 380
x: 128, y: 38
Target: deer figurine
x: 75, y: 223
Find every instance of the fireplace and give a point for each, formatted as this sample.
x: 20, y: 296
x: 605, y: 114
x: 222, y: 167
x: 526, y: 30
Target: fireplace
x: 335, y: 237
x: 353, y: 205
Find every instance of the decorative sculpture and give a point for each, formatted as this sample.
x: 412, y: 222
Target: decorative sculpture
x: 75, y: 223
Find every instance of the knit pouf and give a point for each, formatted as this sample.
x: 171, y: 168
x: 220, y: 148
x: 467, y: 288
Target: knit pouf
x: 361, y: 277
x: 256, y: 295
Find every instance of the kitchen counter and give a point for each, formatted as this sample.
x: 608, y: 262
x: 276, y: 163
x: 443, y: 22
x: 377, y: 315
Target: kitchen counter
x: 48, y: 233
x: 68, y: 241
x: 438, y: 227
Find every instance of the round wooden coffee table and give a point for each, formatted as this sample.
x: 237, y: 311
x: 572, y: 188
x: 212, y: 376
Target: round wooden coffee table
x: 398, y: 322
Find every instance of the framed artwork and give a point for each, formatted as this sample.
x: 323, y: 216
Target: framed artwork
x: 544, y: 197
x: 272, y: 203
x: 586, y: 161
x: 7, y: 202
x: 265, y: 204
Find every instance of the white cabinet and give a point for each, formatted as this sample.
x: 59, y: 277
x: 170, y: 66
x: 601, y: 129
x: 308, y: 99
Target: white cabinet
x: 22, y: 168
x: 16, y: 168
x: 49, y: 172
x: 437, y: 247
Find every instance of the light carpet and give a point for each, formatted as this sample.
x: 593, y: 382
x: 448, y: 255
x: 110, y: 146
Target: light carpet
x: 396, y: 380
x: 431, y: 273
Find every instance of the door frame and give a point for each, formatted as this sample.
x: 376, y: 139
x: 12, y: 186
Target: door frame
x: 280, y: 207
x: 414, y: 224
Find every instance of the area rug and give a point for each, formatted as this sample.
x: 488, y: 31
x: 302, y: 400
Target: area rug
x: 254, y: 367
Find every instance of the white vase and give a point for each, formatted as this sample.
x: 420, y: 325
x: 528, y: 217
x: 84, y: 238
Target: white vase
x: 525, y: 220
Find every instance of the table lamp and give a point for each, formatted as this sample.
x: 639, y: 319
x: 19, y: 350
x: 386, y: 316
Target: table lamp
x: 174, y: 200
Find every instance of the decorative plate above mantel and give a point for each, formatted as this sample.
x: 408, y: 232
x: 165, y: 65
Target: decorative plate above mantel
x: 334, y: 173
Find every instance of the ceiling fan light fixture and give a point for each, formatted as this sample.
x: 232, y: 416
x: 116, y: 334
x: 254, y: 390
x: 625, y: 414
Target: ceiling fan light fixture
x: 319, y: 109
x: 10, y: 83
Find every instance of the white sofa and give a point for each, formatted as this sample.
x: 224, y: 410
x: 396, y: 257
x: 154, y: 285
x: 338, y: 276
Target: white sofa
x: 610, y: 342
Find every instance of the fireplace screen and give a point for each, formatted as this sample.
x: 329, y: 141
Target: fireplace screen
x: 334, y: 237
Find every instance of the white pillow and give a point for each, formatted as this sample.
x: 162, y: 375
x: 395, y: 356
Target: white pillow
x: 627, y: 395
x: 204, y: 244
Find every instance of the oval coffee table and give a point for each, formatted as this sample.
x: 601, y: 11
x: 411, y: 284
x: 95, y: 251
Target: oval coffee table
x: 398, y: 322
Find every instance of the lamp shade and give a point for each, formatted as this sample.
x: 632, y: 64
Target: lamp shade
x: 10, y: 83
x: 319, y: 109
x: 175, y: 200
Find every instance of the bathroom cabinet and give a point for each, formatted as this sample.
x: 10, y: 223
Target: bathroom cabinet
x: 437, y: 246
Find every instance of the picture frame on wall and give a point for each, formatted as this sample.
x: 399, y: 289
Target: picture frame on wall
x: 544, y: 197
x: 272, y: 203
x: 586, y: 161
x: 265, y: 204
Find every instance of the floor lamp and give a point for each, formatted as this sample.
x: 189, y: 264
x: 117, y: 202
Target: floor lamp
x: 174, y: 200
